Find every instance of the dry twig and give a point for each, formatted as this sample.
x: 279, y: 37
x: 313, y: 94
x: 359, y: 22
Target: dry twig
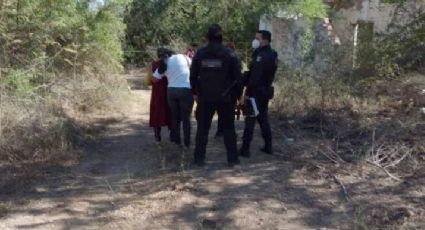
x: 327, y: 156
x: 385, y: 170
x: 346, y: 196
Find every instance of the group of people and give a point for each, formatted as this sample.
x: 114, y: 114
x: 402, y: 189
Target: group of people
x: 211, y: 76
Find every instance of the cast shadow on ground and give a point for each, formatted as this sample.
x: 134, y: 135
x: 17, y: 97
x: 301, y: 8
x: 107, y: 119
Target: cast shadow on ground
x: 126, y: 166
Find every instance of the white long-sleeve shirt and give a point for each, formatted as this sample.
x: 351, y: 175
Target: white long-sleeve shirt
x: 178, y: 71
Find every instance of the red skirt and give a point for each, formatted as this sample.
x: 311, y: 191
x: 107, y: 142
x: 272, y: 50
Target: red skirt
x: 159, y: 110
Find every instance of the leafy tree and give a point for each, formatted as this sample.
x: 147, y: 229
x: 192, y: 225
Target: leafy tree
x: 47, y: 37
x: 152, y: 22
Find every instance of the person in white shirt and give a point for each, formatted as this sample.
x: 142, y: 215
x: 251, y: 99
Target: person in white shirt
x: 176, y: 67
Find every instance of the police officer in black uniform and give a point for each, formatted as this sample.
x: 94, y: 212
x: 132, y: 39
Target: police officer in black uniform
x: 214, y: 77
x: 258, y: 81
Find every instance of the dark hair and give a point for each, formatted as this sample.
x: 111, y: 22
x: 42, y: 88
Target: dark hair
x: 266, y: 35
x: 161, y: 52
x: 194, y: 44
x: 164, y: 53
x: 215, y: 33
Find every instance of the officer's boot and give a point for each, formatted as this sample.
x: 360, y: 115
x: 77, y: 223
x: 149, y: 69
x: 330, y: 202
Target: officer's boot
x: 244, y: 151
x: 218, y: 134
x: 267, y: 149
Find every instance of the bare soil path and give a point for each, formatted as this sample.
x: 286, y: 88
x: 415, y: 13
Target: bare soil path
x: 127, y: 181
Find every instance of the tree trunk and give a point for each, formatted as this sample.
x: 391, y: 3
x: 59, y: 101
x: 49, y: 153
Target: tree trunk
x: 18, y: 10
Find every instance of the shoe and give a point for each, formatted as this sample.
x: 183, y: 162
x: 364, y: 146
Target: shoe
x: 267, y: 150
x: 244, y: 153
x: 234, y: 163
x: 178, y: 143
x: 157, y: 139
x: 185, y: 148
x: 187, y: 144
x: 218, y: 134
x: 157, y: 136
x: 199, y: 163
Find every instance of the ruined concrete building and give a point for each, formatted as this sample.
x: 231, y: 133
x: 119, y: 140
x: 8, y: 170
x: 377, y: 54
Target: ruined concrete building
x: 351, y: 24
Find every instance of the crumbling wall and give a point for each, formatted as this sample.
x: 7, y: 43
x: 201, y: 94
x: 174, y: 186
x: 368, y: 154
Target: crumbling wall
x: 288, y: 38
x: 302, y: 44
x: 378, y: 12
x: 346, y: 27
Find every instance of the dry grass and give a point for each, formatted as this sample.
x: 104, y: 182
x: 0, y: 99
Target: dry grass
x: 374, y: 131
x: 385, y: 116
x: 31, y: 131
x: 45, y: 128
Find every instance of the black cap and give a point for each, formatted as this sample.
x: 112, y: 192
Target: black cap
x: 215, y: 33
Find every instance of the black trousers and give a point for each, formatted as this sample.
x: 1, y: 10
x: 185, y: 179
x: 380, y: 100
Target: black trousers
x: 226, y: 112
x: 220, y: 125
x: 263, y: 119
x: 180, y: 101
x: 219, y: 122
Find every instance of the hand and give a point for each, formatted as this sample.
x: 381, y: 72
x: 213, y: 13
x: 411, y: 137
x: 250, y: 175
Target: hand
x: 242, y: 100
x: 195, y: 97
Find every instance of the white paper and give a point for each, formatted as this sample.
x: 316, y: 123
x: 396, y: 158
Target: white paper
x: 254, y: 106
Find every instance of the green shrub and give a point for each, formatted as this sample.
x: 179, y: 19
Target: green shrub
x: 19, y: 82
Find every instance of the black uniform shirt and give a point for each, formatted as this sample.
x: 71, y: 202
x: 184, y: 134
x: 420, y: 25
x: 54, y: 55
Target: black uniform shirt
x: 262, y: 69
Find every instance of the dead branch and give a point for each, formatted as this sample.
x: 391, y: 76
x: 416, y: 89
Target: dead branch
x: 329, y: 157
x: 398, y: 161
x: 114, y: 194
x: 336, y: 155
x: 385, y: 170
x: 346, y: 196
x: 109, y: 186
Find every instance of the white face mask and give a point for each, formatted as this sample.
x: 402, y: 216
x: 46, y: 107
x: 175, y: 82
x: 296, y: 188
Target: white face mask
x: 255, y: 44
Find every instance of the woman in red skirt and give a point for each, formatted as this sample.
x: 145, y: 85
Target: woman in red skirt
x: 159, y: 110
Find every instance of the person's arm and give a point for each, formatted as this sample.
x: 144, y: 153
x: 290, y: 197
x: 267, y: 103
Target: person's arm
x: 160, y: 71
x: 237, y: 76
x: 194, y: 74
x: 270, y: 67
x: 150, y: 71
x: 156, y: 76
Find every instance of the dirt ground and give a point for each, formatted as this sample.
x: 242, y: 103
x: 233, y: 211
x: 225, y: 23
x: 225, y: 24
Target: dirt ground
x: 127, y: 181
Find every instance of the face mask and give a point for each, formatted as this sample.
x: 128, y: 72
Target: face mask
x: 255, y: 44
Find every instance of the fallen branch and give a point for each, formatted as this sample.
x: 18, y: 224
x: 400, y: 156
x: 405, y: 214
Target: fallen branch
x: 385, y: 170
x: 398, y: 161
x: 346, y: 196
x: 129, y: 179
x: 329, y: 157
x: 109, y: 186
x: 182, y: 160
x: 336, y: 155
x: 114, y: 194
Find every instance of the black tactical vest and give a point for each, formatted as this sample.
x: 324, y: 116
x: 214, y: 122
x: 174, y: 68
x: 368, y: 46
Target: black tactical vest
x: 213, y: 76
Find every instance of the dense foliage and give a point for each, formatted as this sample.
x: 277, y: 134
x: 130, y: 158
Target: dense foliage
x: 46, y: 37
x: 161, y: 22
x: 57, y: 58
x: 404, y: 45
